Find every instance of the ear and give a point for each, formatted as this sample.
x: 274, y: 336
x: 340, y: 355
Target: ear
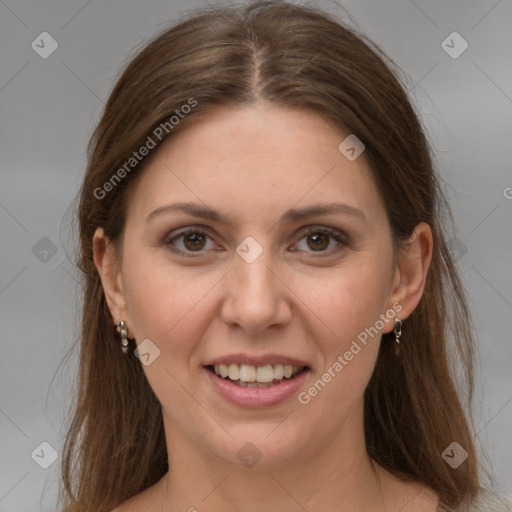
x: 411, y: 274
x: 111, y: 277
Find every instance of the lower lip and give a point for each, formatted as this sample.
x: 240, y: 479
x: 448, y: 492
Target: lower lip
x: 253, y: 398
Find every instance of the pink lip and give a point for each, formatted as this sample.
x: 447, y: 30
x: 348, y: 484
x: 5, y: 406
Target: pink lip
x: 261, y: 360
x: 254, y: 398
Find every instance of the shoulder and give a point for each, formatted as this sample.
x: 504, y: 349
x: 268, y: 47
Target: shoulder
x: 491, y: 501
x: 148, y: 500
x: 127, y: 506
x: 136, y: 503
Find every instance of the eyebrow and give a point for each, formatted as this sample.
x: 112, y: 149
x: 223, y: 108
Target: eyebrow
x: 292, y: 215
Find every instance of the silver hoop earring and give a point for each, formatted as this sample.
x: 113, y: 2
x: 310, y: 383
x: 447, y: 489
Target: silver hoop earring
x: 123, y: 334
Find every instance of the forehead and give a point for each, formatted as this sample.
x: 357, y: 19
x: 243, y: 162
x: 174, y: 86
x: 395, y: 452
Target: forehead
x: 253, y: 160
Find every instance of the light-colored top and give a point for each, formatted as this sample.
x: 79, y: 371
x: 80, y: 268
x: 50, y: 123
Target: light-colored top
x: 487, y: 501
x: 490, y: 501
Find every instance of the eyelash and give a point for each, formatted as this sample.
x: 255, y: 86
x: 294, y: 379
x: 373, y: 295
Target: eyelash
x: 338, y: 236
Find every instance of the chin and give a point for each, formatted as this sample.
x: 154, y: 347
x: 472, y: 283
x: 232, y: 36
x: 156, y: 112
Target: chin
x: 264, y: 446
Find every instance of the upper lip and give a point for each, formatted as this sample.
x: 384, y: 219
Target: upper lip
x: 256, y: 360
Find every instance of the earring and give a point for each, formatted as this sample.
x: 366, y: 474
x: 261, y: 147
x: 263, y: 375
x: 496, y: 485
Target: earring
x: 398, y: 330
x: 123, y: 334
x: 398, y: 334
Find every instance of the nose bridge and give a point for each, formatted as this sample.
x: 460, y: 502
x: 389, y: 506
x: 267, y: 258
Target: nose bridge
x: 253, y: 261
x: 256, y: 275
x: 256, y: 298
x: 254, y: 278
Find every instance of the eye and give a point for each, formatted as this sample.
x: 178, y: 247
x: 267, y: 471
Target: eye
x: 189, y: 241
x: 323, y: 240
x: 317, y: 239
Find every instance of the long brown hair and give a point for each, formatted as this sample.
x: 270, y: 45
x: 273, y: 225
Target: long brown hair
x: 294, y: 57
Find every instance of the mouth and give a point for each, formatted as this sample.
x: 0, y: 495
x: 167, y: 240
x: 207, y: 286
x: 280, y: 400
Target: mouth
x: 250, y: 376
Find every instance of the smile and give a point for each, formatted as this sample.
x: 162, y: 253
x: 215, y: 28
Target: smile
x: 251, y: 376
x: 255, y: 386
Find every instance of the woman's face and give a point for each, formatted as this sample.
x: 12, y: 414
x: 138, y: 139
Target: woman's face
x: 228, y: 259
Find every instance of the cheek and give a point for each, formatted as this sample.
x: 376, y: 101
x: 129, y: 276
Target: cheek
x: 351, y: 301
x: 165, y: 305
x: 171, y: 308
x: 350, y: 309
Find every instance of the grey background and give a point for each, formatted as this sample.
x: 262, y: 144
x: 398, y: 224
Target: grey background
x: 48, y: 108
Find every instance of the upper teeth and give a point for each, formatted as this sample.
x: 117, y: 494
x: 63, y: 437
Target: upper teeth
x: 250, y: 373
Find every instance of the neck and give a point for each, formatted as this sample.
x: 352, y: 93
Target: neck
x: 339, y: 477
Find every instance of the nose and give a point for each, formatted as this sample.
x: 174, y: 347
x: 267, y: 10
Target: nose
x: 256, y: 296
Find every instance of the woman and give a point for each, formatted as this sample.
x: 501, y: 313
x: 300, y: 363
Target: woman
x: 270, y: 308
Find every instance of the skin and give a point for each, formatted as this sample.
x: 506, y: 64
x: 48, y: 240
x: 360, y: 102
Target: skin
x: 252, y: 164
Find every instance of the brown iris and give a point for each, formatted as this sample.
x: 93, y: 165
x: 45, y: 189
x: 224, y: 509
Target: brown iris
x: 194, y: 241
x: 321, y: 241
